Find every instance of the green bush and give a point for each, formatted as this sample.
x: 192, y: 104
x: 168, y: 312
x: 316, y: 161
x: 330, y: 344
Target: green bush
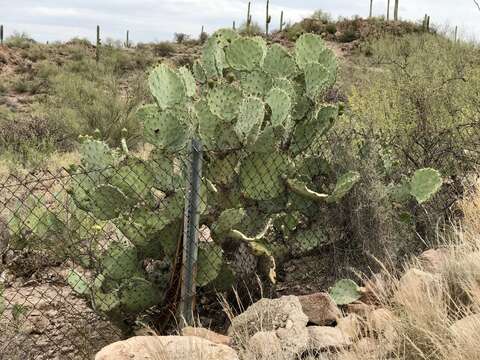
x: 163, y: 49
x: 19, y: 40
x: 322, y: 16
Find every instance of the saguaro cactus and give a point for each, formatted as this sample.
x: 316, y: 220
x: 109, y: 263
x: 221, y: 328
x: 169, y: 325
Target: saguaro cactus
x: 97, y: 49
x: 371, y: 9
x: 388, y: 10
x: 249, y: 17
x: 282, y: 24
x: 395, y: 12
x: 127, y: 41
x: 1, y: 34
x: 268, y: 18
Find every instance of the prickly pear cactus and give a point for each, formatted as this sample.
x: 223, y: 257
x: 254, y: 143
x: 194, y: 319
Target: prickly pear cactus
x: 261, y: 114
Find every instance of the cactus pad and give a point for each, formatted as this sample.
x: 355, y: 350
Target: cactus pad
x: 209, y: 264
x: 345, y: 292
x: 260, y: 175
x: 188, y: 81
x: 138, y: 294
x: 281, y: 105
x: 309, y: 49
x: 229, y: 219
x: 96, y: 154
x: 224, y: 101
x: 424, y: 184
x: 317, y: 80
x: 120, y: 262
x: 279, y: 63
x: 344, y: 184
x: 244, y: 54
x: 256, y: 83
x: 169, y: 130
x: 107, y: 202
x: 250, y: 119
x: 167, y: 87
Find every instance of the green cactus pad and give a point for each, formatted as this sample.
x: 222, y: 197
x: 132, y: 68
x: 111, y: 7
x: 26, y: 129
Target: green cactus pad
x: 224, y: 101
x: 107, y: 202
x: 250, y: 119
x: 134, y: 178
x: 228, y: 220
x: 209, y: 264
x: 207, y: 124
x: 281, y: 105
x: 424, y: 184
x: 78, y: 282
x: 120, y: 262
x: 199, y: 72
x: 162, y: 167
x: 286, y: 85
x: 222, y: 171
x: 306, y: 132
x: 105, y: 302
x: 213, y: 59
x: 260, y: 175
x: 301, y: 108
x: 244, y: 54
x: 310, y: 48
x: 168, y: 131
x: 263, y: 44
x: 307, y: 240
x: 279, y: 63
x: 188, y: 81
x: 257, y: 83
x: 345, y: 292
x: 96, y: 155
x: 167, y: 87
x: 267, y: 141
x: 224, y: 37
x: 344, y: 184
x: 318, y: 79
x: 138, y: 294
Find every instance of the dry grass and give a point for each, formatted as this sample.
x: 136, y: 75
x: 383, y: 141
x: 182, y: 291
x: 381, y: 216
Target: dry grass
x: 427, y: 302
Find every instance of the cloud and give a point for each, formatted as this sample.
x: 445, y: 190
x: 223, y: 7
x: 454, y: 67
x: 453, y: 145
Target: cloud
x: 153, y: 19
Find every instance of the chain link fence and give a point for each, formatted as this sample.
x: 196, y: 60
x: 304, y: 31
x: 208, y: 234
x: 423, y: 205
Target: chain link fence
x: 88, y: 254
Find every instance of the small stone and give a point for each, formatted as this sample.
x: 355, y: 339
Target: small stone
x: 320, y: 309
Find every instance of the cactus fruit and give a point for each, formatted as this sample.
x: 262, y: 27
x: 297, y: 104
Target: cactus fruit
x: 345, y: 292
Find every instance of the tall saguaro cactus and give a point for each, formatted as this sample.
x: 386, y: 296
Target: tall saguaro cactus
x: 127, y: 41
x: 97, y: 49
x: 268, y: 18
x: 395, y: 12
x: 249, y: 17
x: 282, y: 24
x: 1, y: 34
x: 388, y: 10
x: 371, y: 9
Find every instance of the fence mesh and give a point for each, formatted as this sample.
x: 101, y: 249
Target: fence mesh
x: 88, y: 254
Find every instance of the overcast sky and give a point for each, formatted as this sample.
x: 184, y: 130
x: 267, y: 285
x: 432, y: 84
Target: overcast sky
x: 147, y: 20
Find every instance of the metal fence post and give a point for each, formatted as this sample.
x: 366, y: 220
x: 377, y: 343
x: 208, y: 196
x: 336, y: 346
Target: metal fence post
x: 190, y: 234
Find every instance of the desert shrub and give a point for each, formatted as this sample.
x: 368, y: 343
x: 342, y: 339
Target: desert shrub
x: 79, y: 42
x: 163, y: 49
x: 331, y: 28
x: 35, y: 53
x: 180, y: 38
x: 19, y: 40
x: 322, y: 16
x: 253, y: 30
x: 21, y: 85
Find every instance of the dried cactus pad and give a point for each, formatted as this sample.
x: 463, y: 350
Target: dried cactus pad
x: 345, y: 292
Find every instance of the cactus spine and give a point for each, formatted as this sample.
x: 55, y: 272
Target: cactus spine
x: 395, y: 12
x: 97, y: 48
x: 268, y: 18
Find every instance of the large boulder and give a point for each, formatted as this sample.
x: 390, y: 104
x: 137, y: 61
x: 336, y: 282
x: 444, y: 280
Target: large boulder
x: 166, y: 348
x: 277, y: 326
x: 320, y: 309
x: 325, y: 338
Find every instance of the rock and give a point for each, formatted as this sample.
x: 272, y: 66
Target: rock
x: 351, y: 325
x: 263, y: 345
x: 281, y: 319
x: 359, y: 308
x: 380, y: 319
x: 323, y: 338
x: 320, y: 309
x: 166, y: 348
x: 417, y: 287
x: 433, y: 260
x: 466, y: 328
x: 35, y: 323
x: 208, y: 335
